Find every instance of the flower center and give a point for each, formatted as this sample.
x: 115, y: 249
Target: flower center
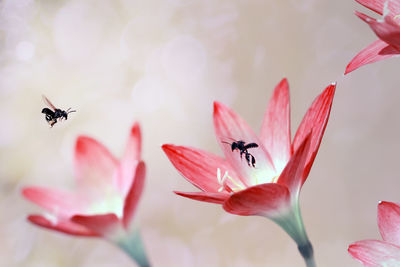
x: 223, y: 181
x: 111, y: 203
x: 233, y: 185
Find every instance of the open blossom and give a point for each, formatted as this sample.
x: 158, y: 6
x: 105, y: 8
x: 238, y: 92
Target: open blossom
x: 106, y: 195
x: 387, y: 29
x: 264, y: 179
x: 386, y: 253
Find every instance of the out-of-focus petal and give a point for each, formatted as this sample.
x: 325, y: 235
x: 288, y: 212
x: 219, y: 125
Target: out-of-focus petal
x: 389, y: 222
x: 376, y: 51
x: 375, y: 253
x: 55, y: 201
x: 229, y: 127
x: 103, y: 224
x: 134, y: 194
x: 198, y: 166
x: 266, y: 199
x: 64, y: 226
x: 217, y: 198
x: 387, y: 30
x: 315, y: 121
x: 130, y: 159
x: 293, y: 175
x: 95, y: 167
x: 275, y: 130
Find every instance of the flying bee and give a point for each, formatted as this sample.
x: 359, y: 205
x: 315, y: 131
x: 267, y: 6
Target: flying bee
x: 53, y: 114
x: 243, y: 148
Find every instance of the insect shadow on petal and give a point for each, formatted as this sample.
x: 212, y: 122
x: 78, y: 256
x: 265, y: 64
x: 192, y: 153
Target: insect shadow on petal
x: 53, y: 114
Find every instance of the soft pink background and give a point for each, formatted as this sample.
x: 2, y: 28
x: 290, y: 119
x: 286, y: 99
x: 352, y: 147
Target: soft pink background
x: 163, y: 63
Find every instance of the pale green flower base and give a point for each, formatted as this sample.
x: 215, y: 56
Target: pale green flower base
x: 292, y: 223
x: 133, y: 246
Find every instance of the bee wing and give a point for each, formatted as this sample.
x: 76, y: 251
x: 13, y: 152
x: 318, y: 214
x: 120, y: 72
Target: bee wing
x: 251, y: 145
x: 48, y: 103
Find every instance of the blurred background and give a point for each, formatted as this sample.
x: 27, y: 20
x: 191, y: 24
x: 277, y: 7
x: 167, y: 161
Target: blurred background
x: 163, y: 63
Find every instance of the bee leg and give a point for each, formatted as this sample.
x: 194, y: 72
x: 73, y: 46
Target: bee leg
x: 253, y: 161
x: 248, y: 158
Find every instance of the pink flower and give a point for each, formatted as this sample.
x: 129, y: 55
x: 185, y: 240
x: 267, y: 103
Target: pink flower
x: 107, y: 192
x: 270, y: 187
x: 386, y: 253
x: 387, y: 29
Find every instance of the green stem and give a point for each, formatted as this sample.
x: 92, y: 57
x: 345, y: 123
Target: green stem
x: 133, y: 246
x: 310, y: 262
x: 292, y: 223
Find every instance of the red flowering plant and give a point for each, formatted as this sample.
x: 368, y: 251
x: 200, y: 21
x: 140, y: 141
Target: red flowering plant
x: 106, y: 196
x: 386, y: 253
x: 387, y: 29
x: 260, y: 175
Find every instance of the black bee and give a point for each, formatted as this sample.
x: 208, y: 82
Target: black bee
x: 54, y: 114
x: 242, y: 147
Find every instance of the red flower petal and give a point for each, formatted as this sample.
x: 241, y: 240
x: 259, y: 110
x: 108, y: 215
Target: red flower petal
x: 265, y: 199
x: 389, y: 222
x: 378, y: 5
x: 217, y: 198
x: 375, y: 253
x: 134, y: 194
x: 364, y: 17
x: 374, y: 5
x: 275, y: 130
x: 393, y: 7
x: 376, y: 51
x: 230, y: 127
x: 94, y: 164
x: 104, y: 224
x: 197, y: 166
x: 130, y: 159
x: 315, y: 120
x: 56, y: 201
x: 387, y: 30
x: 293, y: 175
x: 64, y: 226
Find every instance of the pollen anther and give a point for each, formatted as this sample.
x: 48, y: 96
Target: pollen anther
x: 223, y: 182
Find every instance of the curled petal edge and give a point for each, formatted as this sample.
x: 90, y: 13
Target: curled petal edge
x: 270, y: 200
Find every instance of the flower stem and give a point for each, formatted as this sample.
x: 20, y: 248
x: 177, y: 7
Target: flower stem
x: 308, y: 254
x: 292, y: 223
x: 133, y: 246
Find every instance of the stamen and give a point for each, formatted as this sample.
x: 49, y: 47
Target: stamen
x: 228, y: 189
x: 275, y: 179
x: 52, y: 218
x: 223, y: 182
